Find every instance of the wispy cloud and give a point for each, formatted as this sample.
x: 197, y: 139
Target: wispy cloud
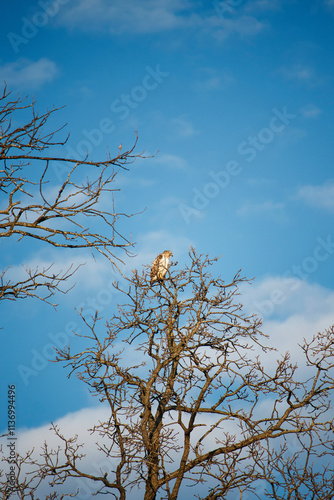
x: 318, y: 196
x: 311, y: 111
x: 246, y: 18
x: 267, y: 208
x: 183, y: 127
x: 263, y: 5
x: 261, y: 182
x: 126, y: 180
x: 329, y: 3
x: 25, y: 73
x: 147, y: 17
x: 291, y: 135
x: 171, y: 161
x: 212, y: 83
x: 211, y: 80
x: 135, y: 17
x: 242, y: 26
x: 301, y: 73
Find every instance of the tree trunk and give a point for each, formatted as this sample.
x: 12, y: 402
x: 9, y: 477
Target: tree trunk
x: 150, y: 492
x: 151, y: 485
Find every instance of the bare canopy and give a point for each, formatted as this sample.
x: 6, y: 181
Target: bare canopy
x: 190, y: 401
x: 75, y: 212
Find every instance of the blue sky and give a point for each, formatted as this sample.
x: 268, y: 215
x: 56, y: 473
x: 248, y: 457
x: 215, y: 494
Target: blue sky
x: 237, y: 98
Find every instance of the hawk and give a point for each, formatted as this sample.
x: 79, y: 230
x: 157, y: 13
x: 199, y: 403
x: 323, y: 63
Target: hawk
x: 160, y: 266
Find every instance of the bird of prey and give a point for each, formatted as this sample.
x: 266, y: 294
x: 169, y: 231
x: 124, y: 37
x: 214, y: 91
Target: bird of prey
x: 160, y: 266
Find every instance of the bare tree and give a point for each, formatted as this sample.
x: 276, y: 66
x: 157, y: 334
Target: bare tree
x: 67, y: 215
x: 197, y: 408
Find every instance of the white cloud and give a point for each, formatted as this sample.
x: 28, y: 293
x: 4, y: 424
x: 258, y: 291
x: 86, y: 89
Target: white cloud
x: 28, y: 74
x: 329, y: 3
x: 311, y: 111
x: 288, y: 295
x: 291, y: 135
x: 126, y: 180
x: 212, y: 80
x: 171, y: 161
x: 77, y: 424
x: 135, y: 17
x: 150, y: 16
x: 212, y: 83
x: 260, y: 6
x: 242, y: 26
x: 184, y: 127
x: 292, y: 309
x: 267, y: 207
x: 263, y: 5
x: 318, y: 196
x: 74, y: 423
x: 71, y: 425
x: 261, y: 182
x: 91, y: 276
x: 300, y: 73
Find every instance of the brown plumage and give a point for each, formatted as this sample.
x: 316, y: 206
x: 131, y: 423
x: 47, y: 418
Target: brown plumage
x: 160, y: 266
